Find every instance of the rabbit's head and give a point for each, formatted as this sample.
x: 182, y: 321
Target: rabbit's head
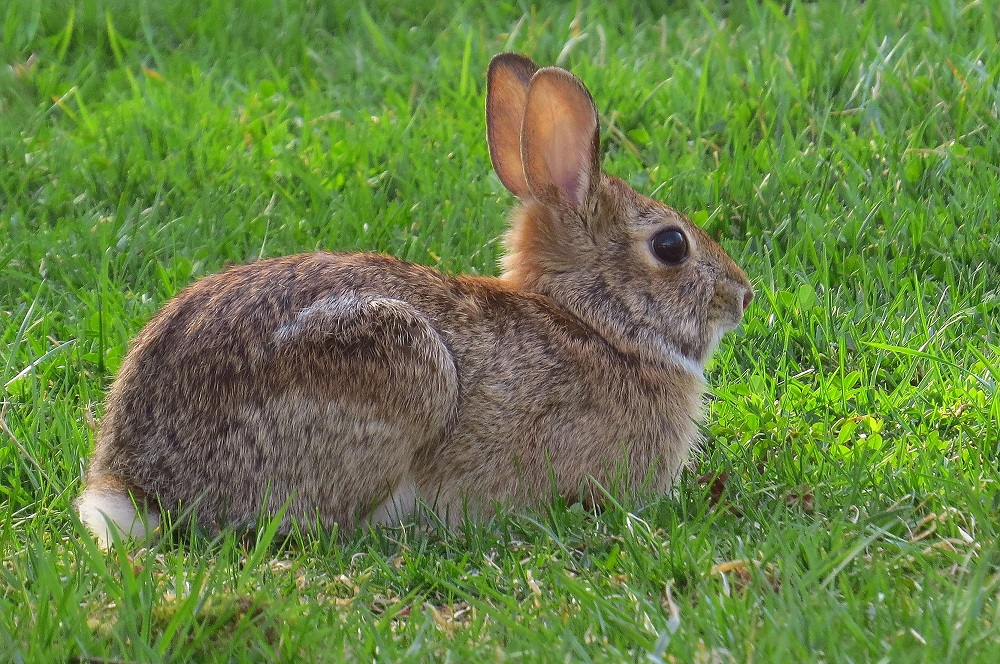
x: 637, y: 271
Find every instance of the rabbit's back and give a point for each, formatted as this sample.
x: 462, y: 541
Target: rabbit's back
x: 290, y: 378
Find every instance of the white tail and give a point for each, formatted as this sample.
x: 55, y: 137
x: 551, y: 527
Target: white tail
x: 105, y: 512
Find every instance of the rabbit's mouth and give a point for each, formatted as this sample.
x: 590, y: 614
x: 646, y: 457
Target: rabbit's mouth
x: 730, y: 301
x: 727, y: 314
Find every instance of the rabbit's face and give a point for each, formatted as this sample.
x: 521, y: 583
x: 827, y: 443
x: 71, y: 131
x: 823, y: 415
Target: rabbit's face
x: 672, y: 277
x: 639, y: 272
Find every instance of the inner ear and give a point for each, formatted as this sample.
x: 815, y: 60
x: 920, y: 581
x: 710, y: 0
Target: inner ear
x: 560, y: 138
x: 507, y: 83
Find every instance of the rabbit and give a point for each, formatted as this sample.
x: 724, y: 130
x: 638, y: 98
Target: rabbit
x: 349, y: 388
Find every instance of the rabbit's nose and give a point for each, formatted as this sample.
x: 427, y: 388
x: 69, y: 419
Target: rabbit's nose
x: 747, y: 298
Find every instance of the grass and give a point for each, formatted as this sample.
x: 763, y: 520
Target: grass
x: 846, y: 505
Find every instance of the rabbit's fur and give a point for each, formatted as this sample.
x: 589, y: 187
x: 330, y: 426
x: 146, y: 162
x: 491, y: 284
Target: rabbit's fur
x: 351, y: 386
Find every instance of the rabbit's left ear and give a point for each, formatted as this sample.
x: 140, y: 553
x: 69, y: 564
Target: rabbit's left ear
x: 506, y: 97
x: 560, y: 138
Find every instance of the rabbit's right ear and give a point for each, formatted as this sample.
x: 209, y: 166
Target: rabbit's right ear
x: 506, y: 99
x: 560, y: 139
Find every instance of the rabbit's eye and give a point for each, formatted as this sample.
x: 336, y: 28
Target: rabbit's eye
x: 670, y: 245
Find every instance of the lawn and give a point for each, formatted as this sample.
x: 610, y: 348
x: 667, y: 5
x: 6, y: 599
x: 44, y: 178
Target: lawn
x: 845, y: 506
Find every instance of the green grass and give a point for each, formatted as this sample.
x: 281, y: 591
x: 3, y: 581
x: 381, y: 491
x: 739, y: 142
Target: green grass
x: 846, y: 154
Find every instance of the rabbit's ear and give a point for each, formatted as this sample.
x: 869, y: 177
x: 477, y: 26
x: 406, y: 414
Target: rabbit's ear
x: 560, y: 138
x: 506, y: 97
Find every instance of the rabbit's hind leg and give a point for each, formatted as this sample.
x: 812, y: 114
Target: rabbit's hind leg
x: 391, y: 386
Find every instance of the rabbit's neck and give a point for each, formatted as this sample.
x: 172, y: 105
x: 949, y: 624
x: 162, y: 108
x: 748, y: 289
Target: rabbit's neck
x: 633, y: 335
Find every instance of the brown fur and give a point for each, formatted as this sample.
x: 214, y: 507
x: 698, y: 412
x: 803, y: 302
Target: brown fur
x: 331, y: 380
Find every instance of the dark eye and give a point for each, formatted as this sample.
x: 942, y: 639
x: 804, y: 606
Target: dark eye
x: 670, y: 245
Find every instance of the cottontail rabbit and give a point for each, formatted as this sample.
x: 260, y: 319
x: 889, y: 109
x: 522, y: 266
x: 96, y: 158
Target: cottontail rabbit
x: 348, y: 387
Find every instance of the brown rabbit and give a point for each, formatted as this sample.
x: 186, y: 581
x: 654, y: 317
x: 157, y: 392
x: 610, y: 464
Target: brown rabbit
x: 352, y: 386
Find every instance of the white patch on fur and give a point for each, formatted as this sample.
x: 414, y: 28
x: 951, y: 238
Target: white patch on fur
x: 107, y: 513
x: 667, y: 351
x: 399, y: 506
x: 713, y: 343
x: 335, y: 308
